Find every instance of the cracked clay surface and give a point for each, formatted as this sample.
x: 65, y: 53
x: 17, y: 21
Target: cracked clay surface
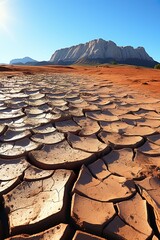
x: 79, y: 159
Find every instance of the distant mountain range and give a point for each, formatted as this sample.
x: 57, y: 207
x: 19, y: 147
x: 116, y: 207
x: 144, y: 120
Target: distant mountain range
x: 21, y: 61
x: 97, y: 51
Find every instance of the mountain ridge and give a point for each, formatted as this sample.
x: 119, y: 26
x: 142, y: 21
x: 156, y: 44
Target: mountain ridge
x: 22, y: 60
x: 97, y: 51
x: 101, y: 51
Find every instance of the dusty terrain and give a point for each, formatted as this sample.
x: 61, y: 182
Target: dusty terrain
x: 79, y: 153
x: 144, y: 79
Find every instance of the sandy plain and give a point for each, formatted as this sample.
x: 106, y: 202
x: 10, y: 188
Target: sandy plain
x: 145, y: 79
x: 79, y: 152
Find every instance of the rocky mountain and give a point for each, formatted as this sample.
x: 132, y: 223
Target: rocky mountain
x: 101, y: 51
x: 21, y: 61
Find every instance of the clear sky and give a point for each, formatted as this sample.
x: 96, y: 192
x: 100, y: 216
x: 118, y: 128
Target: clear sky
x: 36, y: 28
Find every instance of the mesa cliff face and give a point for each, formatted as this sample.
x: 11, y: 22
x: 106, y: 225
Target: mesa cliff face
x: 101, y: 51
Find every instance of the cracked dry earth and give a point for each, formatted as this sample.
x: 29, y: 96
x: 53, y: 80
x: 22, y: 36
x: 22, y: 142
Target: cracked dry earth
x: 79, y: 159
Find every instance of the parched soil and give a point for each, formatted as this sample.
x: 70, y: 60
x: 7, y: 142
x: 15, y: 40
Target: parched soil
x: 144, y: 79
x: 79, y: 153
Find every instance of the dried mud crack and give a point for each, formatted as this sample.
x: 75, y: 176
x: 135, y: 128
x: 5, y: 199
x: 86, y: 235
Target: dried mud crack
x: 79, y: 159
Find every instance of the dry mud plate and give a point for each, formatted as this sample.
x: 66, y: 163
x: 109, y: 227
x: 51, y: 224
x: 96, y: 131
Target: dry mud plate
x: 79, y: 159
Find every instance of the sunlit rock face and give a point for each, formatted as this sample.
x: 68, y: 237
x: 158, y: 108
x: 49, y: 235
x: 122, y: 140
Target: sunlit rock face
x: 101, y: 51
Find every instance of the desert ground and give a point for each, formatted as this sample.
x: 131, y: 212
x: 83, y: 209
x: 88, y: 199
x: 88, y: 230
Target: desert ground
x: 79, y: 152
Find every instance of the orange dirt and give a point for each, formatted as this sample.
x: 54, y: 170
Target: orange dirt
x: 145, y: 80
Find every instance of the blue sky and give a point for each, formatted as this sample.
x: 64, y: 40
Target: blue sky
x: 37, y: 28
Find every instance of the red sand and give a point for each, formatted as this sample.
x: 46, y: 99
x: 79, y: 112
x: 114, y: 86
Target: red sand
x: 144, y: 79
